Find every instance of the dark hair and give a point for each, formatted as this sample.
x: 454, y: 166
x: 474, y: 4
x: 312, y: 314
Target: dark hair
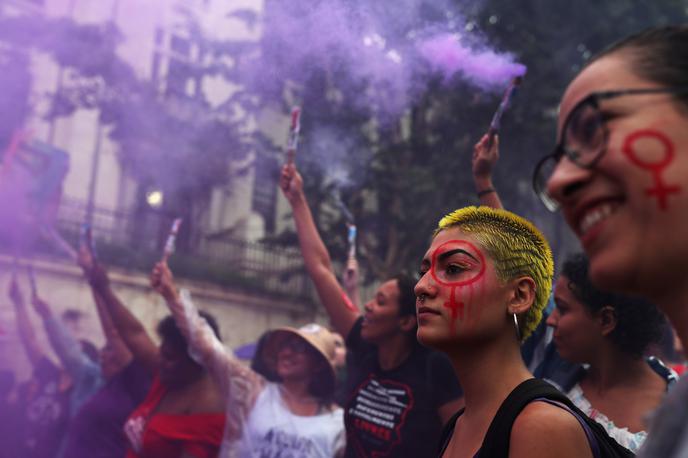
x: 638, y: 322
x: 659, y: 54
x: 168, y: 331
x: 407, y: 295
x: 321, y: 386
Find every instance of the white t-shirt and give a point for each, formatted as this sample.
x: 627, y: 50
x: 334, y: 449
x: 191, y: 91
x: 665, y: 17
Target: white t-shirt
x: 272, y: 431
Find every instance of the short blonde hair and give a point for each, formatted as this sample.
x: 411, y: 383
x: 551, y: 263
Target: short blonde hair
x: 517, y: 247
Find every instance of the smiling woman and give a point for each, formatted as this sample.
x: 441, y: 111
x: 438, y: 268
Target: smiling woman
x: 628, y: 206
x: 283, y: 404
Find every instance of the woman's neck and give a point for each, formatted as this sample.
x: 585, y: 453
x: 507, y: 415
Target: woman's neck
x: 392, y: 352
x: 488, y: 372
x: 613, y: 368
x: 297, y: 390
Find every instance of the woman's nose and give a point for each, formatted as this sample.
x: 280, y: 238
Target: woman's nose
x: 567, y: 178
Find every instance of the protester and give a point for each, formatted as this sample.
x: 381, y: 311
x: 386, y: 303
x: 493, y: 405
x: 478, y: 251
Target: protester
x: 399, y: 393
x: 183, y: 413
x: 9, y: 412
x: 285, y: 408
x: 485, y: 280
x: 53, y: 394
x: 610, y: 334
x: 97, y: 428
x: 618, y: 174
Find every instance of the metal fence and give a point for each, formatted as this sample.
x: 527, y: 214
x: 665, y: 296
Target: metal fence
x: 134, y: 240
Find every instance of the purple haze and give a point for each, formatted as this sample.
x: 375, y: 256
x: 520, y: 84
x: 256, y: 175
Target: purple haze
x: 485, y: 68
x: 375, y: 56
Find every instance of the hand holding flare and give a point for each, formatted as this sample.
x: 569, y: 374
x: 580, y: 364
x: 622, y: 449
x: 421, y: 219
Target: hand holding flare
x: 162, y: 281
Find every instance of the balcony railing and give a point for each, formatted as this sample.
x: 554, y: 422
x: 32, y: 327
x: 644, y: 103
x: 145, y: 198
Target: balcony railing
x: 134, y: 241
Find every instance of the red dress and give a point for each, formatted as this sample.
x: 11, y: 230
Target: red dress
x: 162, y: 435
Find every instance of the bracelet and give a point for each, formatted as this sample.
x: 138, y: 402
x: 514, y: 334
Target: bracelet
x: 485, y: 191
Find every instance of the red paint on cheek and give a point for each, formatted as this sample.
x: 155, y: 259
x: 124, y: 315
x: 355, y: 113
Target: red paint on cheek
x: 661, y: 190
x: 456, y: 307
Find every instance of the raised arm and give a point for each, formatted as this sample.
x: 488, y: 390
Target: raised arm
x: 485, y: 156
x: 350, y: 281
x: 86, y: 261
x: 129, y: 328
x: 343, y: 313
x: 65, y: 345
x: 239, y: 383
x: 27, y: 335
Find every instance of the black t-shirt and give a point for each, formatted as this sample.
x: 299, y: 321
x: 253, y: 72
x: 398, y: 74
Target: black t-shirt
x: 394, y: 413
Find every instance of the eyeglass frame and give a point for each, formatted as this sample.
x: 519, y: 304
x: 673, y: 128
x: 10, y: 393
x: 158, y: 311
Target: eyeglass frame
x: 560, y: 149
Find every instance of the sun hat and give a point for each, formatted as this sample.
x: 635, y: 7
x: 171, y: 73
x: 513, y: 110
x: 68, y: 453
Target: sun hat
x: 319, y: 338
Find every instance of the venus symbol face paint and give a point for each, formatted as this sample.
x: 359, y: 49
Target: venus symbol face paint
x: 661, y: 190
x: 451, y: 289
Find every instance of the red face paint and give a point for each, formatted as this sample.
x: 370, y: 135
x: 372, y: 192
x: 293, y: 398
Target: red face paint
x: 661, y: 190
x: 457, y: 307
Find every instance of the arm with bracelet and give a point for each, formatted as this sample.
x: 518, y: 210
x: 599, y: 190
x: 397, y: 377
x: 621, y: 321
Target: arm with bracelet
x: 485, y: 156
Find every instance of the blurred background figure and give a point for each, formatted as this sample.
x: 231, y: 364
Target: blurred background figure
x: 182, y: 413
x: 608, y: 335
x: 283, y: 404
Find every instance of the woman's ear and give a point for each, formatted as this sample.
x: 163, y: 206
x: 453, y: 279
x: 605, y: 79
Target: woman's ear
x: 522, y: 295
x: 607, y: 318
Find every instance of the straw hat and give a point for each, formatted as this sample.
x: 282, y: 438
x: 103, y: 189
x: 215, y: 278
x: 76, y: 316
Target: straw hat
x: 319, y: 338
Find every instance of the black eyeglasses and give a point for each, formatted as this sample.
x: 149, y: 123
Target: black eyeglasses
x: 584, y: 137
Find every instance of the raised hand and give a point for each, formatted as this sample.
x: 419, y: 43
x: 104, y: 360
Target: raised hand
x: 98, y: 277
x: 162, y: 281
x: 15, y: 293
x: 350, y: 278
x: 40, y: 306
x: 485, y: 156
x: 291, y: 183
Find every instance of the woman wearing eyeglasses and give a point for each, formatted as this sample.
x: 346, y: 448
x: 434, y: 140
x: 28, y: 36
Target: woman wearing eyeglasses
x: 619, y: 176
x: 284, y: 407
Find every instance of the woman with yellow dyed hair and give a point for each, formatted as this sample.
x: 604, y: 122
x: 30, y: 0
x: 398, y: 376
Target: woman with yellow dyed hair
x: 484, y: 282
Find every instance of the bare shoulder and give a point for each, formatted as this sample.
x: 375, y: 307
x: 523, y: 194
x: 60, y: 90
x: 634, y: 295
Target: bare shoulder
x: 544, y: 430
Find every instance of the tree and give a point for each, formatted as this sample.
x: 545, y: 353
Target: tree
x: 171, y: 139
x: 417, y: 168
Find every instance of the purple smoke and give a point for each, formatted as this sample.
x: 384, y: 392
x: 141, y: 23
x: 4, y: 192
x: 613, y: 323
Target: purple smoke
x: 376, y: 58
x: 485, y: 68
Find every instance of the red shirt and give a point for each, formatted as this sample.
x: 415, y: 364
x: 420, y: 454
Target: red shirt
x: 162, y: 435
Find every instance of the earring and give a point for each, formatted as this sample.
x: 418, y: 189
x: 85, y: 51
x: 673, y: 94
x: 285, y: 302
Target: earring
x: 518, y: 330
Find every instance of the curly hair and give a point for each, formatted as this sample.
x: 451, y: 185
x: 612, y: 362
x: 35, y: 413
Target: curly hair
x: 167, y: 330
x: 639, y: 323
x: 517, y: 247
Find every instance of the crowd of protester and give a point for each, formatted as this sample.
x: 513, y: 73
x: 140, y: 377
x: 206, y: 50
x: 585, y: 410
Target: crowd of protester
x: 487, y: 353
